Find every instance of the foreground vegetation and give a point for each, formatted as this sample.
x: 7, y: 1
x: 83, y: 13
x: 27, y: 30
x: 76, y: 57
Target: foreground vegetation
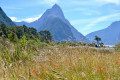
x: 34, y: 60
x: 26, y: 54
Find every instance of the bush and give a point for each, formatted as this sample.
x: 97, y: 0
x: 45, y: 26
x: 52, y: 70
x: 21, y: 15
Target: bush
x: 11, y: 52
x: 12, y: 37
x: 16, y: 54
x: 23, y: 42
x: 117, y: 47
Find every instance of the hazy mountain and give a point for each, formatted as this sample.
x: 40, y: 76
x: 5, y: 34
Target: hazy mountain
x: 53, y: 20
x: 5, y: 19
x: 119, y: 38
x: 109, y: 35
x: 21, y: 23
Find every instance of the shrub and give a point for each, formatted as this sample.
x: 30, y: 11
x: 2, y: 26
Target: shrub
x: 117, y: 47
x: 23, y: 42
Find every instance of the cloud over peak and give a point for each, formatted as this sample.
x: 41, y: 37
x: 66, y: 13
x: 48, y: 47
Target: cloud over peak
x: 51, y: 2
x: 30, y: 19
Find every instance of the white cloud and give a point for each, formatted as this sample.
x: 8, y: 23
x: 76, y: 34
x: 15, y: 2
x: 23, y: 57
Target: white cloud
x: 84, y: 11
x: 32, y: 19
x: 26, y: 20
x: 100, y: 19
x: 90, y: 2
x: 75, y: 9
x: 13, y: 18
x: 80, y: 21
x: 50, y: 2
x: 117, y: 2
x: 11, y: 7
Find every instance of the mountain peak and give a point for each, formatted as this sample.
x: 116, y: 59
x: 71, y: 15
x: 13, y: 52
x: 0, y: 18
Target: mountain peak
x: 55, y: 11
x: 56, y: 6
x: 53, y: 20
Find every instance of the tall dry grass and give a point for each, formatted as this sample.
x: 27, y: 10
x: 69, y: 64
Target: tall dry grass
x: 64, y: 63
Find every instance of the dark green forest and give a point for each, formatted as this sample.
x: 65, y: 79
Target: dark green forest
x: 14, y: 33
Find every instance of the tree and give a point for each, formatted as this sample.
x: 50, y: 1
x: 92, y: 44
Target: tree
x: 0, y: 33
x: 12, y: 37
x: 3, y: 29
x: 45, y: 36
x: 18, y: 30
x: 33, y: 31
x: 25, y: 29
x: 101, y: 44
x: 97, y: 39
x: 23, y: 41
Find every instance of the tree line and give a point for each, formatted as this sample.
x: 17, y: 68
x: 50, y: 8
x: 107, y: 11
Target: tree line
x: 14, y: 33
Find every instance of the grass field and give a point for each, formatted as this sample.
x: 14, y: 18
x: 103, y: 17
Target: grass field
x: 59, y: 63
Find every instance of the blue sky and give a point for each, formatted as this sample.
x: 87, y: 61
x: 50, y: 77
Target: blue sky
x: 85, y: 15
